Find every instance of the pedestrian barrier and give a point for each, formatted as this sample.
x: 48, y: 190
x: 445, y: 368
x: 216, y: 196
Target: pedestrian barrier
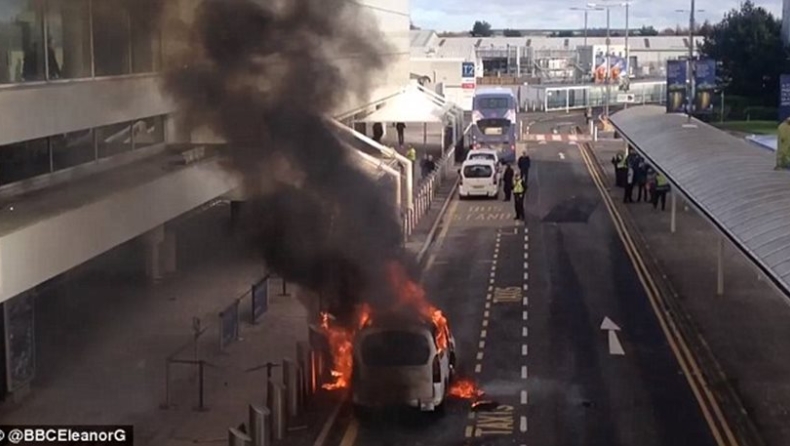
x: 186, y: 366
x: 426, y: 193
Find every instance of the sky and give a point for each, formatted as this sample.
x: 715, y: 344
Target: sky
x: 459, y: 15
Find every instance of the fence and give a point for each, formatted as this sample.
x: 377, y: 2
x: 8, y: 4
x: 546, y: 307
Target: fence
x: 426, y: 192
x: 186, y: 367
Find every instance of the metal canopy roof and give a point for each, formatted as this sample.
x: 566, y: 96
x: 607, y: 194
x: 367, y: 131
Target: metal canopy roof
x: 411, y: 106
x: 727, y: 179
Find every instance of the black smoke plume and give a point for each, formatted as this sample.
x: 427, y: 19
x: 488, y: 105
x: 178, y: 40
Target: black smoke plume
x: 264, y: 75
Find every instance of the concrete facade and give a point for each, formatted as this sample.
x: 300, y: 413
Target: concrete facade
x: 58, y: 233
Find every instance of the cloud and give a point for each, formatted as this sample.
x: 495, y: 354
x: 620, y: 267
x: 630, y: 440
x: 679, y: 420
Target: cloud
x: 459, y: 15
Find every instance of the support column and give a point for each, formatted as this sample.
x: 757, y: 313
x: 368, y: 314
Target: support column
x: 169, y: 252
x: 720, y: 268
x: 443, y: 139
x: 425, y: 134
x: 153, y: 253
x: 673, y: 217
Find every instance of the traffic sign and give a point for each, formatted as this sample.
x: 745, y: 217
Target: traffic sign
x: 467, y: 69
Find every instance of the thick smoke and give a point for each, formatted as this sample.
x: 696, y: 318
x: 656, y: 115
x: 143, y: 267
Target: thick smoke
x: 264, y: 76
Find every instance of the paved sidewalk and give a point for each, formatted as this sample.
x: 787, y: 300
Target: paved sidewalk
x: 747, y: 329
x: 423, y: 228
x: 103, y: 336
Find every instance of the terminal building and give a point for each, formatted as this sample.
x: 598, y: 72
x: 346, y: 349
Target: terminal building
x: 92, y: 155
x: 547, y: 59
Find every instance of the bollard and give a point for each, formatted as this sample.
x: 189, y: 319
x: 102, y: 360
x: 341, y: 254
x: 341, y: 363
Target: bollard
x: 291, y: 388
x: 260, y: 428
x: 303, y: 360
x: 301, y: 393
x: 238, y: 438
x: 278, y: 411
x: 315, y: 370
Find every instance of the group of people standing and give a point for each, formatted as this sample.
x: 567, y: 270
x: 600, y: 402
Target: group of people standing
x: 631, y: 171
x: 516, y: 184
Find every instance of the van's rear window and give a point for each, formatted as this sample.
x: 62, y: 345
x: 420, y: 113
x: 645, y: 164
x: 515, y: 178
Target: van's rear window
x: 479, y: 171
x: 492, y: 103
x: 395, y: 349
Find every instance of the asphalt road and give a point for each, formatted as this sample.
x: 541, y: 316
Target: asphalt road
x: 526, y: 305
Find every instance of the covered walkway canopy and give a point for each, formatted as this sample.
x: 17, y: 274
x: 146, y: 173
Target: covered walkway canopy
x: 416, y: 104
x: 730, y: 181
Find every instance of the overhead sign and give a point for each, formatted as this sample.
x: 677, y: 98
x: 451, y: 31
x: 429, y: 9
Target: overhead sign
x: 468, y: 70
x: 676, y: 86
x: 704, y: 84
x: 784, y: 97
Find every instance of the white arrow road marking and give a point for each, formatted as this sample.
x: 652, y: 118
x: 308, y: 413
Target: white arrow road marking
x: 562, y: 156
x: 615, y: 348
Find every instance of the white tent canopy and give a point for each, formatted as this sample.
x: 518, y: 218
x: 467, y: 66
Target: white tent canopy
x: 410, y: 106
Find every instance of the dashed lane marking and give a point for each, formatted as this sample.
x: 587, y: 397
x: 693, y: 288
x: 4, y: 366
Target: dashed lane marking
x: 524, y: 332
x: 485, y: 322
x: 483, y: 334
x: 486, y: 314
x: 524, y: 397
x: 525, y: 315
x: 524, y: 350
x: 481, y: 345
x: 526, y: 287
x: 525, y: 301
x: 478, y: 367
x: 488, y: 305
x: 523, y: 424
x: 524, y: 374
x: 479, y: 356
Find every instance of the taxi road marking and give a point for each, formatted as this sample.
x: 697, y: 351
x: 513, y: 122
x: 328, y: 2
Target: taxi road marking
x: 497, y: 422
x: 509, y: 294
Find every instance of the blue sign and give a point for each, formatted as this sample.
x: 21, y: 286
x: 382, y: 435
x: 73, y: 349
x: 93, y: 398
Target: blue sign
x: 676, y: 86
x: 704, y: 85
x: 260, y: 299
x: 784, y: 97
x: 467, y: 69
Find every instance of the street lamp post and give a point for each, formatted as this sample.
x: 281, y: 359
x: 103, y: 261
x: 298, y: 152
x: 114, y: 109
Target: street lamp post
x: 608, y: 43
x: 690, y: 65
x: 586, y: 12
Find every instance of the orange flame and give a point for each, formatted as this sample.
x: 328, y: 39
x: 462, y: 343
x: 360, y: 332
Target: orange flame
x: 466, y: 389
x: 342, y: 347
x: 409, y: 294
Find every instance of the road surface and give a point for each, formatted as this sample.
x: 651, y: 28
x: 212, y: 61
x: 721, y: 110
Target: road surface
x: 527, y: 304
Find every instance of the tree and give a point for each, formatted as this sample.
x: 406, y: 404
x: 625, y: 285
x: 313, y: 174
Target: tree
x: 705, y: 30
x: 667, y: 32
x: 748, y: 46
x: 646, y: 31
x: 481, y: 29
x: 511, y: 33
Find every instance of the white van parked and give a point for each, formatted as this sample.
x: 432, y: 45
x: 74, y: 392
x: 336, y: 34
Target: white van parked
x: 483, y: 154
x: 398, y: 362
x: 479, y: 178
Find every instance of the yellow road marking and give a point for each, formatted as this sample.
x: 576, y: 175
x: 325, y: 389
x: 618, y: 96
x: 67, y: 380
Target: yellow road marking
x: 350, y: 436
x: 677, y: 344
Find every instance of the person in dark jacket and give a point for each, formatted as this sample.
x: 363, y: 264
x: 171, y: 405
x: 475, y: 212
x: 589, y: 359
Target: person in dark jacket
x: 524, y: 164
x: 641, y: 181
x: 507, y: 181
x: 400, y: 127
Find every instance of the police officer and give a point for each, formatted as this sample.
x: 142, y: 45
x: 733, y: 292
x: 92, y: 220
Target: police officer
x: 662, y: 188
x: 411, y: 154
x: 518, y: 196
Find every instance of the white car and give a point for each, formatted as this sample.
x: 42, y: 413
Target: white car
x: 399, y: 362
x: 479, y: 178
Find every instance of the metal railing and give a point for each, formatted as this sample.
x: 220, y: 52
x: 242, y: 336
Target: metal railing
x: 426, y: 192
